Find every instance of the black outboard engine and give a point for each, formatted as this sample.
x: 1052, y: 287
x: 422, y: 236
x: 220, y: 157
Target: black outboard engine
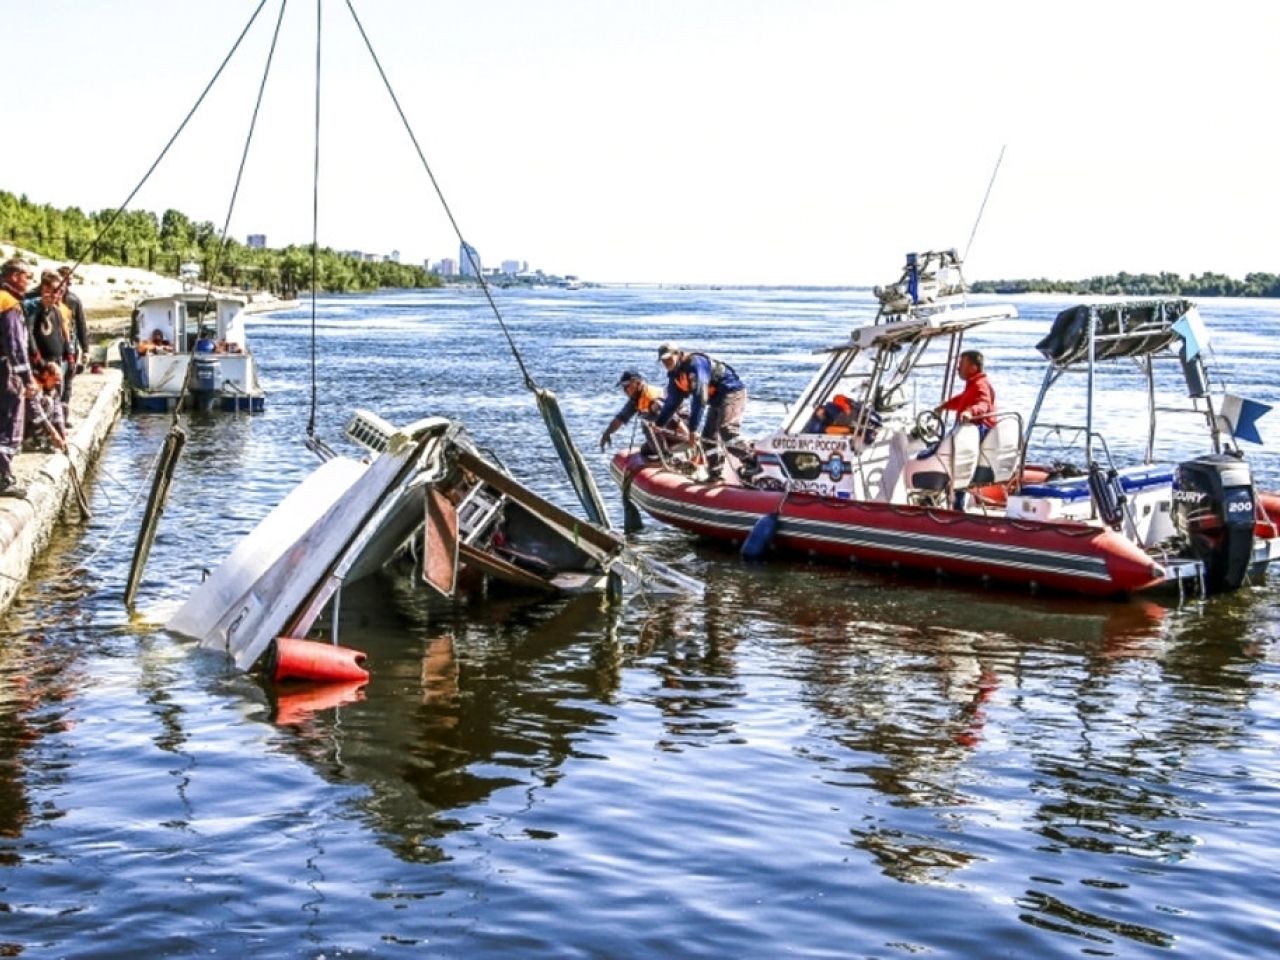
x: 1213, y: 507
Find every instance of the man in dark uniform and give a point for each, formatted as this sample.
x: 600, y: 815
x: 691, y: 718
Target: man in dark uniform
x: 711, y: 385
x: 49, y: 333
x: 80, y: 340
x: 16, y: 381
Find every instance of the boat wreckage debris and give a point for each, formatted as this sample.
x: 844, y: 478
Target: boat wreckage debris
x: 427, y: 495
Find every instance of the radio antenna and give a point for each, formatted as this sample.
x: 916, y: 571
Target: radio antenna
x: 985, y: 197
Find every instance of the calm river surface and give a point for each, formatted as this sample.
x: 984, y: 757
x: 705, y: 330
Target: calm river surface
x: 810, y: 762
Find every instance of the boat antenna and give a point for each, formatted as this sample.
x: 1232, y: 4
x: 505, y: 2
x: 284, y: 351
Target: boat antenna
x: 577, y: 469
x: 982, y: 208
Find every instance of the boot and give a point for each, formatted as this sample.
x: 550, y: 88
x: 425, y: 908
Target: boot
x: 9, y: 489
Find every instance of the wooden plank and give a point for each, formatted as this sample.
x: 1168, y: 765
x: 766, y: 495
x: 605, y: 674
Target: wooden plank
x: 440, y: 542
x: 497, y: 567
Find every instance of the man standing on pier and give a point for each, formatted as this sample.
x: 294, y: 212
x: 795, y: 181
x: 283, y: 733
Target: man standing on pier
x: 79, y: 340
x: 16, y: 381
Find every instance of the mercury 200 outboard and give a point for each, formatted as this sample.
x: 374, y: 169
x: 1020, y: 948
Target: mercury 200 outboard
x: 1213, y: 507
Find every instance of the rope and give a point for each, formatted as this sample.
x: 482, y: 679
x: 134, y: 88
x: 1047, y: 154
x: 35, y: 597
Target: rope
x: 467, y: 251
x: 315, y: 230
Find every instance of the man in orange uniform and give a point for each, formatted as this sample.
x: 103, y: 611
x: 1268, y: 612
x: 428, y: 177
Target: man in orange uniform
x: 642, y: 398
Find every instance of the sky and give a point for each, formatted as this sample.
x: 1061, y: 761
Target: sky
x: 678, y: 141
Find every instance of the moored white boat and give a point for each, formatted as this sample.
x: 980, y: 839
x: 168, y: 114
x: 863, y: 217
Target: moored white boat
x: 191, y: 349
x: 1050, y: 500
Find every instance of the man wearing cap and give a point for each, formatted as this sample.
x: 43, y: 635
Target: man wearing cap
x: 642, y: 398
x: 16, y: 381
x: 79, y: 337
x: 711, y: 385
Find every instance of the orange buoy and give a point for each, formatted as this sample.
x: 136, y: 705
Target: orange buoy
x: 296, y: 659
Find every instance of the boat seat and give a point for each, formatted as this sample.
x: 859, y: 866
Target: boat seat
x: 949, y: 465
x: 999, y: 451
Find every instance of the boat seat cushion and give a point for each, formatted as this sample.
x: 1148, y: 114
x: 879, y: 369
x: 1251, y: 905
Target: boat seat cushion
x: 1132, y: 480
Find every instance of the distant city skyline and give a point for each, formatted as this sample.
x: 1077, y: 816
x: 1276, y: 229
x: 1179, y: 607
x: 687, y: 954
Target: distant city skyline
x: 782, y: 141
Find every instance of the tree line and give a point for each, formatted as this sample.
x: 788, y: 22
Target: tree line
x: 1143, y: 284
x: 138, y: 238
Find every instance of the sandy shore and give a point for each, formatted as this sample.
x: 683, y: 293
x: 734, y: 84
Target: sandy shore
x: 108, y: 293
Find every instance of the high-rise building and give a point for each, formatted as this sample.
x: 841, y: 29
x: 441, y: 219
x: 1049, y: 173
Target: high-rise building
x: 256, y: 241
x: 469, y: 261
x: 447, y: 268
x: 510, y: 267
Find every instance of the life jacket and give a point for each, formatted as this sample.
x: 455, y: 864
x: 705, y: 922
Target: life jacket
x: 840, y: 415
x: 684, y: 374
x: 649, y: 400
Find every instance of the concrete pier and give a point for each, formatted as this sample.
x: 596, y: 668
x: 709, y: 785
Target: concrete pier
x: 27, y: 525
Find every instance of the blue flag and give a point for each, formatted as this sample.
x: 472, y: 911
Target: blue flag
x: 1241, y: 416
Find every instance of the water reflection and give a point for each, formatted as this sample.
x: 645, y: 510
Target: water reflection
x: 463, y: 701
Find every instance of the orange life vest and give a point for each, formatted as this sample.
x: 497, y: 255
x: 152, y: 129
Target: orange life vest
x: 649, y: 399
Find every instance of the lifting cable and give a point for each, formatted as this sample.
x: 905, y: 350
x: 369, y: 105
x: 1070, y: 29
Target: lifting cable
x: 175, y: 440
x: 577, y: 469
x: 312, y: 442
x: 93, y: 246
x: 231, y: 206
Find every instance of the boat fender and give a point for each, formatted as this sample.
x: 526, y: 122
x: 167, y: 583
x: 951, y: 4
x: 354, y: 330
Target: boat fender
x: 761, y: 537
x: 1104, y: 488
x: 295, y: 659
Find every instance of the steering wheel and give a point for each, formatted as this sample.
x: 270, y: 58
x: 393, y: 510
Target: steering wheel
x: 928, y: 426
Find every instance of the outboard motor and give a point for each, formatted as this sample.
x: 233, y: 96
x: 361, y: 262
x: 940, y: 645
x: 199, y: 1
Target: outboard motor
x: 206, y: 375
x: 1213, y: 507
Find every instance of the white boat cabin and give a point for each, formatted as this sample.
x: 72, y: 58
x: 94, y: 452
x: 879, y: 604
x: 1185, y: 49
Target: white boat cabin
x: 878, y: 391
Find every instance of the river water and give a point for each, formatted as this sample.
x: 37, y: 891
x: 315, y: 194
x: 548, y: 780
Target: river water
x: 808, y: 762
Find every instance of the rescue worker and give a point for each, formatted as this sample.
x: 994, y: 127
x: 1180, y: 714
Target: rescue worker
x: 842, y: 414
x: 711, y: 385
x: 16, y: 381
x: 643, y: 398
x: 976, y: 403
x: 79, y: 339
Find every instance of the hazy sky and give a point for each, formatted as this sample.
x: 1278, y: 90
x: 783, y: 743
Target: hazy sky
x: 721, y: 141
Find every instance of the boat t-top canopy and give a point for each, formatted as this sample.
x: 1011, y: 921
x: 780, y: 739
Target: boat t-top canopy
x: 943, y: 323
x: 1108, y: 331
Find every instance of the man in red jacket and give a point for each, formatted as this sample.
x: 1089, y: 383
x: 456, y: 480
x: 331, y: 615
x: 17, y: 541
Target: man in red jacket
x: 976, y: 403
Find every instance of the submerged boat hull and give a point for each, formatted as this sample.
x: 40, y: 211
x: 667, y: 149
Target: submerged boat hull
x: 1071, y: 557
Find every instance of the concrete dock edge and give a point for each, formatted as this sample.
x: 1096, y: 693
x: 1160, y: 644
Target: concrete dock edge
x: 27, y: 525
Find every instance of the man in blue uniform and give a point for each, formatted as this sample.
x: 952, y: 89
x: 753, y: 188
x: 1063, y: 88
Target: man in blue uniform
x: 710, y: 385
x: 16, y: 381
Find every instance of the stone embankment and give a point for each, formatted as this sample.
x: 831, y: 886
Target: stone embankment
x: 27, y: 524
